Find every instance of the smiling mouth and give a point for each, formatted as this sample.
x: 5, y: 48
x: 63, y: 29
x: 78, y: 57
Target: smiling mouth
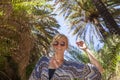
x: 58, y: 48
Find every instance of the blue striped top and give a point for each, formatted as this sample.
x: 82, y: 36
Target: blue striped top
x: 67, y: 71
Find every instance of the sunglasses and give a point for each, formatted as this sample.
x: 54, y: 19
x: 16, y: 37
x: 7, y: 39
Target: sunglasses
x: 56, y: 43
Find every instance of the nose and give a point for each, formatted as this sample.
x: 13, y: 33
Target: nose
x: 59, y: 45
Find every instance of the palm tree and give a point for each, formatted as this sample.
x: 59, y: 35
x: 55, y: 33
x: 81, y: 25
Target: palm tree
x: 110, y: 58
x: 16, y: 23
x: 107, y: 17
x: 81, y: 14
x: 78, y: 10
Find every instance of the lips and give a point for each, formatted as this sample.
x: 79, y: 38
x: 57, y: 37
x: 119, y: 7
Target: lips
x: 58, y: 48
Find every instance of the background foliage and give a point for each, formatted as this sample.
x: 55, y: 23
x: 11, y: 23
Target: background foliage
x: 27, y: 27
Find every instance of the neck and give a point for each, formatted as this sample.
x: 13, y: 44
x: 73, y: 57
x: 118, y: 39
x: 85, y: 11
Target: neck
x: 59, y: 57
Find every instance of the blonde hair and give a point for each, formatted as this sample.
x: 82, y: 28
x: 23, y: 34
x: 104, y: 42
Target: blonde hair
x: 58, y: 36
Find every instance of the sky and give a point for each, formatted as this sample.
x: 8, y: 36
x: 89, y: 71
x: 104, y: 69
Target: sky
x: 91, y: 34
x: 72, y: 39
x: 64, y: 29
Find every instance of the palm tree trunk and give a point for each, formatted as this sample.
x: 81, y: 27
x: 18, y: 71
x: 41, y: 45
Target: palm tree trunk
x: 107, y: 17
x: 97, y: 23
x: 25, y: 47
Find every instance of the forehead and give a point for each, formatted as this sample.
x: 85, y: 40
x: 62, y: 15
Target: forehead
x: 62, y: 39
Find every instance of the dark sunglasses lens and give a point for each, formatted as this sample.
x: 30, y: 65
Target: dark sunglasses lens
x: 62, y: 43
x: 55, y: 43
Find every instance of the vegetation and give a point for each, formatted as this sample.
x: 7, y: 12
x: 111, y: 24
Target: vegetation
x: 27, y: 27
x: 110, y: 58
x: 99, y: 13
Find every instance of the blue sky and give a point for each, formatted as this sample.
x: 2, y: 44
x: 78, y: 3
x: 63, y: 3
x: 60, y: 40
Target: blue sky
x: 64, y: 29
x: 91, y: 34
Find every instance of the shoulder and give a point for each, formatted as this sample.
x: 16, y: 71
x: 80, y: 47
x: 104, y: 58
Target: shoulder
x: 42, y: 62
x: 44, y: 58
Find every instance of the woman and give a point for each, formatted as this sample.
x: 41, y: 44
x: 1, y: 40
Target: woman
x: 56, y: 68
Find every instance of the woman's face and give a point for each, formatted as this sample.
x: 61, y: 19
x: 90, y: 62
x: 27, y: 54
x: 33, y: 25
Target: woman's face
x: 60, y: 45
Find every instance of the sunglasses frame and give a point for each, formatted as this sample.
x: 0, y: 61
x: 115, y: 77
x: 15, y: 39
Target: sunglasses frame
x: 56, y: 43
